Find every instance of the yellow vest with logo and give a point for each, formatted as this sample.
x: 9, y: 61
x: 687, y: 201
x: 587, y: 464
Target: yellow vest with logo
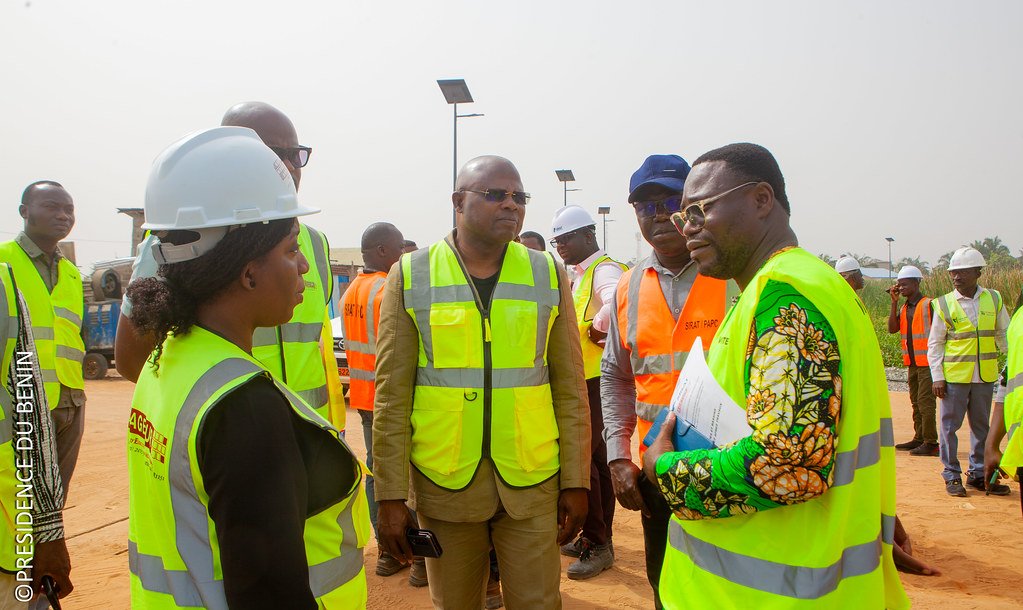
x: 9, y: 536
x: 292, y: 351
x: 56, y: 319
x: 482, y: 386
x: 1013, y: 456
x: 173, y: 552
x: 968, y: 346
x: 834, y: 551
x: 585, y: 310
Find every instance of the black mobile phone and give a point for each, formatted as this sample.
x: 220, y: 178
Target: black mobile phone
x: 50, y: 588
x: 423, y: 542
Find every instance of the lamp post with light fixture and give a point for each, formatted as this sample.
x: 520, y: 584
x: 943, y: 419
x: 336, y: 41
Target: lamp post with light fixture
x: 456, y: 92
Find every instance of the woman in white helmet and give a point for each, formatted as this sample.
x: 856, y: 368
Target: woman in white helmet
x: 240, y: 495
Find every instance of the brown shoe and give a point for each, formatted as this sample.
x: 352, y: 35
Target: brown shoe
x: 494, y: 598
x: 388, y: 565
x: 417, y: 575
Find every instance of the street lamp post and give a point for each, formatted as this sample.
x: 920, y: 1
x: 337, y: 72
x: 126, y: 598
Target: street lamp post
x: 456, y: 92
x: 604, y: 210
x: 889, y: 240
x: 565, y: 176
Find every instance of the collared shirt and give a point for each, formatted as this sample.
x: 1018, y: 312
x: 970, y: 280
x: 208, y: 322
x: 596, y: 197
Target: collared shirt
x: 617, y: 383
x: 936, y: 342
x: 44, y: 264
x: 605, y: 280
x: 397, y: 360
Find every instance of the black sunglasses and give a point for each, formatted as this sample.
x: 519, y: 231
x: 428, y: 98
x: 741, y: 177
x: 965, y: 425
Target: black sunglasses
x: 499, y: 195
x: 297, y: 156
x: 671, y: 203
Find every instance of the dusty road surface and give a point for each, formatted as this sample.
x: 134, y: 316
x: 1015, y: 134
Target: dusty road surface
x: 977, y: 541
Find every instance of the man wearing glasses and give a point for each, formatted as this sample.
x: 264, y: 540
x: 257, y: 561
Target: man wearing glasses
x: 661, y: 306
x: 301, y: 351
x: 802, y: 511
x: 480, y: 390
x: 575, y: 238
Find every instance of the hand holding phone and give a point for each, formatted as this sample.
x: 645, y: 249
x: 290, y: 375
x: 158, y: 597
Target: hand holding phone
x: 423, y: 542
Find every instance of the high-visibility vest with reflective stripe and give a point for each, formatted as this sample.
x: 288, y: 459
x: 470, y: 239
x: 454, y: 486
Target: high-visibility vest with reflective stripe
x: 585, y: 309
x: 292, y: 351
x: 834, y: 551
x: 56, y: 319
x: 8, y: 474
x: 968, y: 346
x: 173, y: 551
x: 360, y: 311
x: 462, y: 409
x: 1013, y: 456
x: 916, y: 330
x: 657, y: 357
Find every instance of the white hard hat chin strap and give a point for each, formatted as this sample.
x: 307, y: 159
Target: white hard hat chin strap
x: 169, y: 254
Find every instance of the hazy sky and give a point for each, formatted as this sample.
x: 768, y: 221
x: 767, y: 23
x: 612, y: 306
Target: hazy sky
x: 897, y: 119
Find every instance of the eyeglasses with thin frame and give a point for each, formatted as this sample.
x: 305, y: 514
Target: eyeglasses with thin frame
x: 554, y: 241
x: 671, y: 204
x: 499, y: 195
x: 298, y: 156
x: 696, y: 212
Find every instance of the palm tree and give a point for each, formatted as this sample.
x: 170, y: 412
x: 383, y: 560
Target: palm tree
x: 827, y: 258
x: 917, y: 262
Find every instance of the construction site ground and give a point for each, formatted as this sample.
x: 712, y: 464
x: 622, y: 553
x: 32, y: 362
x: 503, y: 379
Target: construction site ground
x: 977, y: 542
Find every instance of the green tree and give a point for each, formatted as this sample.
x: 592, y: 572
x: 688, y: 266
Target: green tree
x: 917, y: 262
x: 827, y: 258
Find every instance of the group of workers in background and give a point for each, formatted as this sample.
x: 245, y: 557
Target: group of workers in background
x: 498, y: 397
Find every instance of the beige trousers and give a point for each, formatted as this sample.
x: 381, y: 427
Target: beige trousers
x: 8, y: 599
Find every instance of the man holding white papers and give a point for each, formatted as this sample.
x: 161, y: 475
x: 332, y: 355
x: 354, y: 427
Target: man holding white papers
x: 801, y: 513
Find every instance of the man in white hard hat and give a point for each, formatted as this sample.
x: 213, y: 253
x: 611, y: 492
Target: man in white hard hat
x: 913, y: 322
x: 849, y: 268
x: 574, y: 236
x: 967, y: 333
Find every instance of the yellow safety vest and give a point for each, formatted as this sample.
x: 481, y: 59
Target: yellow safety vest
x: 292, y: 351
x: 482, y: 386
x: 56, y: 319
x: 1013, y: 456
x: 173, y: 552
x: 585, y: 310
x: 834, y: 551
x: 10, y: 537
x: 966, y: 345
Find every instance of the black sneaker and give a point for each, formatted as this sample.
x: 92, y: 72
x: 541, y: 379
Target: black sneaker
x: 998, y: 489
x: 909, y: 445
x: 955, y: 488
x: 930, y: 449
x: 574, y: 548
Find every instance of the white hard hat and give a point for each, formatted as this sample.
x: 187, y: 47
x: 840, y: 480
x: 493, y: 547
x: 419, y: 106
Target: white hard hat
x: 847, y: 264
x: 570, y: 218
x: 910, y: 272
x: 211, y: 180
x: 966, y: 258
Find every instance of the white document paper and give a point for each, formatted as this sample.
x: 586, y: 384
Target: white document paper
x: 700, y: 400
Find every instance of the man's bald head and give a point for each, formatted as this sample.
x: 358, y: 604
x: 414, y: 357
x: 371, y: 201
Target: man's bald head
x: 476, y: 171
x: 271, y: 125
x: 382, y: 245
x: 486, y: 221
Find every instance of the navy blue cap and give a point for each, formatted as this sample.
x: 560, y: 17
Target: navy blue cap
x: 669, y: 171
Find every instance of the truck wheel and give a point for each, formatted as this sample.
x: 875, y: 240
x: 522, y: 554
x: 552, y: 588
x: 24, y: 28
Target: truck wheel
x: 95, y: 366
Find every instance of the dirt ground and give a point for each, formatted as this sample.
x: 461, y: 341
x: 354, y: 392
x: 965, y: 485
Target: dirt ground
x: 977, y: 542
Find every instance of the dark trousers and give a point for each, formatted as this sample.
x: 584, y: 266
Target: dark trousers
x: 597, y: 527
x: 655, y: 534
x: 921, y: 395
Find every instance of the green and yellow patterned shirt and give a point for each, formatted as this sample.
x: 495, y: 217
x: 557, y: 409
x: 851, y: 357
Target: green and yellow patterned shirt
x: 793, y: 399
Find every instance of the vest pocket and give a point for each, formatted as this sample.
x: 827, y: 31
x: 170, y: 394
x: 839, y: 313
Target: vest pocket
x: 437, y: 429
x: 536, y: 428
x: 450, y: 329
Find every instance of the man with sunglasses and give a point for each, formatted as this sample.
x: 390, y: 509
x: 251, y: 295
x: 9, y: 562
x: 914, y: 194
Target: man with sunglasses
x: 301, y: 351
x: 575, y: 238
x: 480, y: 398
x: 800, y: 513
x: 661, y: 306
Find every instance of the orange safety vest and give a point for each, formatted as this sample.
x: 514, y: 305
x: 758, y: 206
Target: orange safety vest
x: 657, y: 357
x: 360, y: 307
x: 917, y: 333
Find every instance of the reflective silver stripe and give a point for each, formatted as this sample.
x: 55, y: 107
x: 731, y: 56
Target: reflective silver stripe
x: 186, y: 590
x: 473, y: 378
x: 335, y: 572
x: 361, y: 375
x: 7, y: 425
x: 301, y: 332
x: 866, y: 453
x: 540, y: 262
x: 371, y: 316
x: 799, y: 582
x: 42, y: 333
x: 70, y: 353
x: 632, y: 321
x: 417, y: 298
x: 316, y: 397
x: 264, y: 337
x: 954, y: 336
x: 320, y: 262
x: 648, y: 411
x: 972, y: 357
x: 658, y: 363
x: 360, y: 347
x: 459, y: 293
x: 1012, y: 429
x: 944, y: 313
x: 48, y: 375
x: 68, y: 315
x: 1015, y: 382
